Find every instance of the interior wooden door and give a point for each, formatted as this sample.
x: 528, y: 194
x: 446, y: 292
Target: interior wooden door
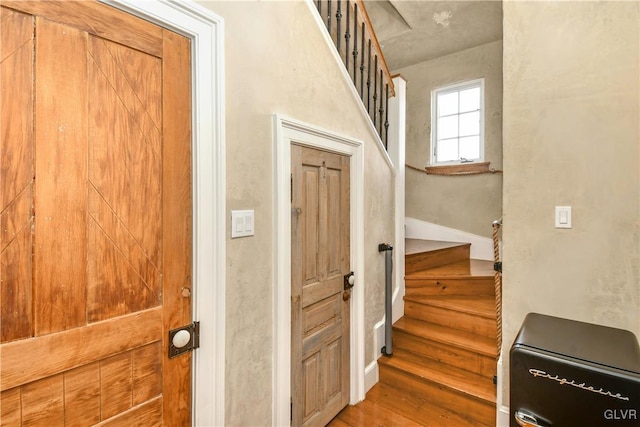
x: 96, y: 216
x: 320, y: 252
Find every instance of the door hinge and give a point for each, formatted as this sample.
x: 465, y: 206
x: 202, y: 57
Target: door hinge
x: 184, y: 339
x: 291, y: 188
x: 497, y: 266
x: 291, y: 411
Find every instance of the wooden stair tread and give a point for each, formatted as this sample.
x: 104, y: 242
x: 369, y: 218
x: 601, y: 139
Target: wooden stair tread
x: 482, y: 306
x: 367, y: 413
x: 462, y: 381
x: 424, y: 254
x: 462, y: 339
x: 474, y: 268
x: 416, y: 408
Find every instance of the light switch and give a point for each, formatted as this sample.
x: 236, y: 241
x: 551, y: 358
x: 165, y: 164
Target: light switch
x: 563, y: 217
x: 248, y: 223
x: 239, y: 223
x: 242, y: 223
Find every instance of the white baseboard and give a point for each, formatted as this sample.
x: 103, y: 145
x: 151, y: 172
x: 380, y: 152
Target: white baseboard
x: 371, y: 375
x: 502, y: 413
x: 503, y: 417
x: 398, y: 303
x: 378, y: 338
x: 481, y: 247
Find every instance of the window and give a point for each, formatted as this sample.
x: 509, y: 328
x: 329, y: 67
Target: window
x: 457, y: 123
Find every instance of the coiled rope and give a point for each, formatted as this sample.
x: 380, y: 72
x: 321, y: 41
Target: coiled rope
x: 498, y: 282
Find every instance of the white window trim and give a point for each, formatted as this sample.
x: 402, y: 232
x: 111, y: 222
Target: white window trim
x: 452, y: 88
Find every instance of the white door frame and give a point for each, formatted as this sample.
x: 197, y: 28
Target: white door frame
x: 286, y: 132
x: 206, y: 31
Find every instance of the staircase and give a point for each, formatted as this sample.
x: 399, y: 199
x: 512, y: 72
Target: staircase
x: 444, y: 356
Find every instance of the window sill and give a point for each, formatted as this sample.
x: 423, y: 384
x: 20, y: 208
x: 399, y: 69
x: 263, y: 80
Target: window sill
x: 461, y: 169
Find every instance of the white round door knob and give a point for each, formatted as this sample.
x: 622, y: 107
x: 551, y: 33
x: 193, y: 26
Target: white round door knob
x: 352, y: 279
x: 181, y: 338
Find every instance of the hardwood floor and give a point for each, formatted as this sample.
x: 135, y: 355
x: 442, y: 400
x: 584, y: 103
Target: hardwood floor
x: 385, y: 407
x: 441, y: 372
x: 370, y: 413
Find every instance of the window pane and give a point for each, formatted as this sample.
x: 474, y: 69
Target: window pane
x: 447, y: 150
x: 470, y: 99
x: 470, y: 124
x: 447, y: 104
x: 470, y: 147
x: 447, y: 127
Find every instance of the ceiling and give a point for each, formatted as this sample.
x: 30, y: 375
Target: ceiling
x: 413, y: 31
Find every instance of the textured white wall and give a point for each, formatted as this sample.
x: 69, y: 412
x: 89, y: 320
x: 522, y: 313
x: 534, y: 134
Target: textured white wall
x: 277, y: 62
x: 467, y: 203
x: 571, y: 137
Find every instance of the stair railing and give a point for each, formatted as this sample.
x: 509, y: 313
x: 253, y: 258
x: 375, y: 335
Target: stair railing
x: 497, y: 268
x: 387, y: 349
x: 350, y: 29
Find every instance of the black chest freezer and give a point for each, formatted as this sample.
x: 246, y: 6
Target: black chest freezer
x: 566, y: 373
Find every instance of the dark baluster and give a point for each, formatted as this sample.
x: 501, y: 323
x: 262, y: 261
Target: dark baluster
x: 386, y: 119
x: 375, y: 91
x: 329, y: 16
x: 362, y: 65
x: 319, y: 5
x: 355, y: 45
x: 338, y: 21
x: 381, y: 109
x: 347, y: 37
x: 369, y: 80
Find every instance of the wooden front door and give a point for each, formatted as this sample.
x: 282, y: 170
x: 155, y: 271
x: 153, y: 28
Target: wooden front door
x: 96, y: 216
x: 320, y: 308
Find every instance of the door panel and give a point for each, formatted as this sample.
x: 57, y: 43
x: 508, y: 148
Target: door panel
x: 320, y: 259
x: 96, y: 216
x: 16, y: 185
x: 82, y: 390
x: 61, y: 177
x: 43, y: 403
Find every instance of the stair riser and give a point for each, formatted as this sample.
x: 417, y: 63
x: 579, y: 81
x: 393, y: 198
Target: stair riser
x: 449, y: 286
x: 424, y: 260
x: 453, y: 319
x: 459, y: 357
x: 440, y: 395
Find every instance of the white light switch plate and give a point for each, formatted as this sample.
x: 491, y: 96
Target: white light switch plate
x: 563, y: 217
x: 242, y: 223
